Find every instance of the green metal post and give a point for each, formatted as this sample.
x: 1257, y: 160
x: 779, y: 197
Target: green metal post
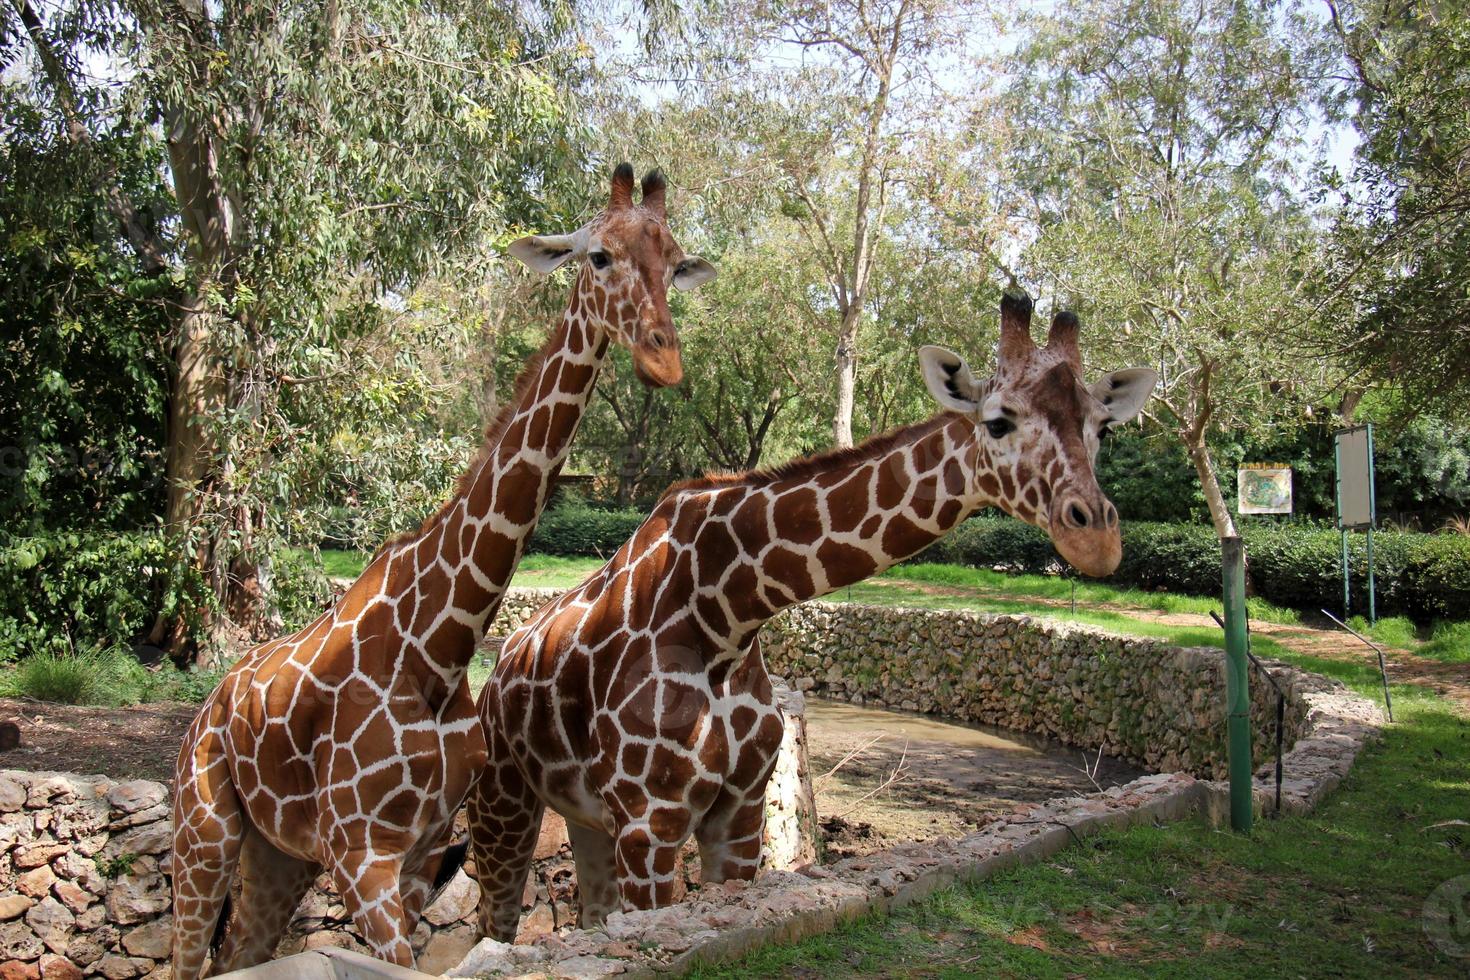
x: 1372, y: 518
x: 1237, y: 685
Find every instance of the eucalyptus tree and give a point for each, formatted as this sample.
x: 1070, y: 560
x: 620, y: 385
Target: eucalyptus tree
x: 848, y: 86
x: 1156, y: 153
x: 321, y: 158
x: 1403, y: 242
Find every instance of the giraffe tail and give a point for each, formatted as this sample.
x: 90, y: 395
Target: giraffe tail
x: 449, y: 866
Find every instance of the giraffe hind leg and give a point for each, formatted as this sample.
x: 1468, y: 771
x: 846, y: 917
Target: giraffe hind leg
x: 597, y: 873
x: 208, y: 831
x: 272, y: 885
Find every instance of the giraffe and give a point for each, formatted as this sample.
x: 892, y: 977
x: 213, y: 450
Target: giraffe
x: 349, y: 745
x: 638, y: 706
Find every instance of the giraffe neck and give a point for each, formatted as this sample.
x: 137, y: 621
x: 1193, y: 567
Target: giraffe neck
x: 463, y: 558
x: 813, y: 528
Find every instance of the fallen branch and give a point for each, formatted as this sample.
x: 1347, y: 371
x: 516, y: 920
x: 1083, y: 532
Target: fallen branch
x: 897, y: 776
x: 874, y: 740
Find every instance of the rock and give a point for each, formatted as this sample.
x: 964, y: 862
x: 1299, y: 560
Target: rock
x: 137, y: 794
x: 137, y: 897
x: 37, y: 853
x: 12, y: 794
x: 538, y: 922
x: 48, y: 790
x: 155, y: 838
x: 55, y: 967
x: 91, y: 919
x: 14, y: 906
x: 73, y: 896
x: 116, y: 967
x: 17, y: 942
x: 459, y: 900
x: 151, y: 940
x: 85, y: 949
x: 152, y: 814
x: 82, y: 870
x: 445, y: 948
x: 16, y: 970
x: 36, y: 882
x: 52, y: 923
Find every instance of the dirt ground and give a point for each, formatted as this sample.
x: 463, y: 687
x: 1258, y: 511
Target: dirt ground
x: 882, y: 777
x: 124, y: 743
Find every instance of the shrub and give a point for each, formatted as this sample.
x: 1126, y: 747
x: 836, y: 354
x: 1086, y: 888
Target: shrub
x: 574, y: 528
x: 63, y: 592
x: 1423, y: 576
x: 1437, y: 578
x: 300, y: 589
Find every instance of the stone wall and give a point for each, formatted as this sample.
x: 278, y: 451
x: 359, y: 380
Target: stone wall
x: 1156, y: 705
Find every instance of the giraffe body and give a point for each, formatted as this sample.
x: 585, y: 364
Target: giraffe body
x: 349, y: 745
x: 637, y: 705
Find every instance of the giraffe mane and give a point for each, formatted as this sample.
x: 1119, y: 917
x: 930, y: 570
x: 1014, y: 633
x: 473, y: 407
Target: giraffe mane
x: 494, y: 429
x: 805, y: 467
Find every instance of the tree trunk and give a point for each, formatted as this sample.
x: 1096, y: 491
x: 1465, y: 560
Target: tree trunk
x: 846, y: 360
x: 1204, y: 468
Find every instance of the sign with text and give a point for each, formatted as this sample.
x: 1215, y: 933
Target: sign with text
x: 1263, y: 489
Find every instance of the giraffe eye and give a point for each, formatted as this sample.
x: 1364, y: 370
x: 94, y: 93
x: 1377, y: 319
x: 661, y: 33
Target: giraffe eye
x: 599, y: 260
x: 999, y: 427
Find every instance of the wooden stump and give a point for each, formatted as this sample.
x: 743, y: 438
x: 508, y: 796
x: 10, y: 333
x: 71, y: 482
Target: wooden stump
x: 792, y: 832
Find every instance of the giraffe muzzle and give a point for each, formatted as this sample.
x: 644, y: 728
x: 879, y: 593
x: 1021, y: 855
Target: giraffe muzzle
x: 1086, y: 534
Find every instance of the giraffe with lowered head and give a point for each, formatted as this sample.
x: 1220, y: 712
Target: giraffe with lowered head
x: 350, y: 745
x: 638, y: 706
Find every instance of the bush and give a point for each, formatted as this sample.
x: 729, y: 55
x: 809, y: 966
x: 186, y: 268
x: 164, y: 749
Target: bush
x: 575, y: 528
x: 64, y: 592
x: 1437, y: 579
x: 105, y: 678
x: 1423, y: 576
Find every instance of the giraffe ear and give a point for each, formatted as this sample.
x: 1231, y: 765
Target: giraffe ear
x: 1124, y: 393
x: 543, y: 253
x: 949, y: 379
x: 693, y: 271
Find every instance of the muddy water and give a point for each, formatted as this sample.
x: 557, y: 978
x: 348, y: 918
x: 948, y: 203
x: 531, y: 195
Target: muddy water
x: 950, y: 777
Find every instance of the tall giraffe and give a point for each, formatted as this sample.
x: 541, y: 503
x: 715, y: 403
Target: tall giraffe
x: 350, y: 745
x: 638, y: 705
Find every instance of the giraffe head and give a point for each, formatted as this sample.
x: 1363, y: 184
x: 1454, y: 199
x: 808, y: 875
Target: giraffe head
x: 1038, y: 427
x: 629, y: 259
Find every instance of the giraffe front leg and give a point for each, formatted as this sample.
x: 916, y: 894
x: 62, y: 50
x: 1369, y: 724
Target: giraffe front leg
x: 593, y: 850
x: 369, y: 885
x: 731, y: 839
x: 417, y: 880
x: 647, y: 865
x: 505, y: 819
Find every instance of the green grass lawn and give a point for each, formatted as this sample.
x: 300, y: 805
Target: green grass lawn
x: 1337, y: 893
x: 936, y: 586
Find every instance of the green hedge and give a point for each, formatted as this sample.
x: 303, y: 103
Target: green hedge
x: 73, y: 592
x: 1423, y: 576
x: 574, y: 528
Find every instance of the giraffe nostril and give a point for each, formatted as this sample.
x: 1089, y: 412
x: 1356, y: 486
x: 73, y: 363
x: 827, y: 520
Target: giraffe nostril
x: 1110, y: 515
x: 1078, y: 515
x: 657, y: 341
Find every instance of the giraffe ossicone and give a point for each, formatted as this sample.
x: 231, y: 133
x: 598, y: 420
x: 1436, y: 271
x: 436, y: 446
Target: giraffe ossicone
x: 637, y: 705
x: 349, y: 745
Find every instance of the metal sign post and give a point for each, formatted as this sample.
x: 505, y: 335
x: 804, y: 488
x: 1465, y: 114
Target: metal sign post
x: 1237, y: 685
x: 1356, y: 504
